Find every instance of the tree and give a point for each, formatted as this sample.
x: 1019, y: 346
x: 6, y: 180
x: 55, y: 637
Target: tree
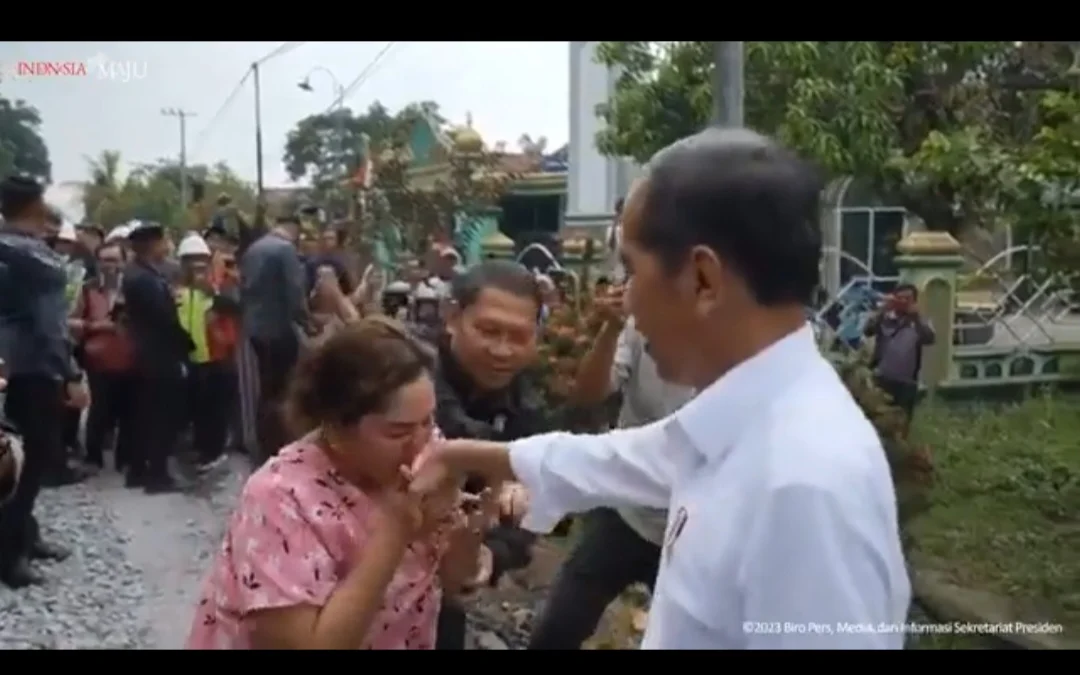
x: 326, y: 148
x: 937, y: 125
x: 405, y: 217
x: 22, y: 149
x: 152, y: 191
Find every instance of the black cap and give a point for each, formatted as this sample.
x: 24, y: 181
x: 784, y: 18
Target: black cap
x: 146, y: 230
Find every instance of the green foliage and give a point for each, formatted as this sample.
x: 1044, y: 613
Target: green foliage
x: 1004, y: 511
x: 152, y: 191
x: 405, y: 214
x: 942, y: 126
x: 22, y: 149
x: 327, y: 148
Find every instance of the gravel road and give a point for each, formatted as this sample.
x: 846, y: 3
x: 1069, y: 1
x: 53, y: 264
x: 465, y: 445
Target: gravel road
x: 137, y: 564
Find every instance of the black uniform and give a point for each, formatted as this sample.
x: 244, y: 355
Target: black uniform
x: 161, y: 349
x: 464, y: 411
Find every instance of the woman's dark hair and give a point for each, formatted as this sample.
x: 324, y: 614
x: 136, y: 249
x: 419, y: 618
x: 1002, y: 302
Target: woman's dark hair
x: 353, y: 374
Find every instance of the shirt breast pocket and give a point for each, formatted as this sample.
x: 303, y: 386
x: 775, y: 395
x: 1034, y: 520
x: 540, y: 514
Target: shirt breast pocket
x: 699, y: 575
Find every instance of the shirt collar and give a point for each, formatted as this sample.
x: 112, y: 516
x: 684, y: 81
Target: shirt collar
x: 717, y: 416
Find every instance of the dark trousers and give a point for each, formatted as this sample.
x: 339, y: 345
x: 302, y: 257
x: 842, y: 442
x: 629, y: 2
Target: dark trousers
x: 156, y: 413
x: 35, y: 405
x: 111, y: 398
x: 609, y: 558
x: 276, y: 359
x: 903, y: 394
x: 72, y: 418
x: 511, y: 549
x: 210, y: 404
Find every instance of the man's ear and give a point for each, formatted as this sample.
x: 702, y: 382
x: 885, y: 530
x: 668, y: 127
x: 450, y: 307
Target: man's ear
x: 453, y: 315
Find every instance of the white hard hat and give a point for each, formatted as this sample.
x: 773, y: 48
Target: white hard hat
x: 67, y: 232
x: 118, y: 233
x: 425, y: 292
x: 192, y: 244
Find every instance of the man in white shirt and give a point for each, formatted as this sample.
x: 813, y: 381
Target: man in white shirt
x: 782, y: 529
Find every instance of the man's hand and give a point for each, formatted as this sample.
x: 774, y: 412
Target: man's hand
x: 513, y: 502
x: 78, y: 396
x: 612, y: 305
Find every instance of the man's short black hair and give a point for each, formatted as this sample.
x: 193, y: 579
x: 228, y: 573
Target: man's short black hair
x: 748, y: 199
x: 910, y: 288
x: 503, y: 275
x: 619, y: 205
x: 17, y: 193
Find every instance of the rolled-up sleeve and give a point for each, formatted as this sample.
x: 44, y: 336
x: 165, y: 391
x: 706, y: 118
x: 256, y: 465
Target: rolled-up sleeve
x: 818, y: 576
x: 573, y: 473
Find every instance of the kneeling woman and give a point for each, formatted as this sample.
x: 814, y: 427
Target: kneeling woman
x: 327, y: 550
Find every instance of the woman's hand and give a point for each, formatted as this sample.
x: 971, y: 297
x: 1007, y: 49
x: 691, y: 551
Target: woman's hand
x: 467, y: 563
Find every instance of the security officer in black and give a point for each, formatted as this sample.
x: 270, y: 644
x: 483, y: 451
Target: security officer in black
x: 484, y: 391
x: 161, y: 350
x: 41, y: 370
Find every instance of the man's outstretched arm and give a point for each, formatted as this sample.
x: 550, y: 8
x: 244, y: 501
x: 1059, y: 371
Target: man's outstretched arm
x: 569, y: 473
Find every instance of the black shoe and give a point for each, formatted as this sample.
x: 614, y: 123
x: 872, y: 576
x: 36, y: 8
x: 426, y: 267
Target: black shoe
x: 20, y: 575
x: 64, y: 477
x: 164, y: 485
x: 43, y: 550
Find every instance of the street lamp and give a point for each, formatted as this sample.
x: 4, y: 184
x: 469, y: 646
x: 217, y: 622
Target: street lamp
x: 339, y: 101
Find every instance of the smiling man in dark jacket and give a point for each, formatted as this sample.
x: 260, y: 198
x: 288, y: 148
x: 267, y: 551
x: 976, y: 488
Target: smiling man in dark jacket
x: 483, y: 391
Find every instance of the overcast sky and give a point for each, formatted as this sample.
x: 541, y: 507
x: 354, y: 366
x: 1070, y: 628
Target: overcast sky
x: 509, y: 87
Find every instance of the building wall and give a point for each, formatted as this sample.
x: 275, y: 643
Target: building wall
x: 595, y: 182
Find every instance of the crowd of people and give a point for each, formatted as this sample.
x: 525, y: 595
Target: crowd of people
x: 405, y: 456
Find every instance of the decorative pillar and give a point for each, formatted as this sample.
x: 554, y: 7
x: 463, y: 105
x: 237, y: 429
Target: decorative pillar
x: 930, y: 261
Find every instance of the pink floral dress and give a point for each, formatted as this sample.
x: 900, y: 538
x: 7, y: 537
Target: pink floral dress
x: 296, y: 534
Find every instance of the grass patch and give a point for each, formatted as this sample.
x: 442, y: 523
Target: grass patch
x: 1005, y: 505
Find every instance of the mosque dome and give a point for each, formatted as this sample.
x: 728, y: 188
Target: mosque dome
x: 467, y: 139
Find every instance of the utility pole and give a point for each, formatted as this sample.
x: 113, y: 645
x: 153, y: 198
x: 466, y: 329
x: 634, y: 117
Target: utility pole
x: 258, y: 133
x: 728, y: 84
x: 182, y: 115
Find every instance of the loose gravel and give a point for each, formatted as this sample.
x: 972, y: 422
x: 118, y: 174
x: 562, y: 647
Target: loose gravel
x: 137, y: 565
x: 135, y: 570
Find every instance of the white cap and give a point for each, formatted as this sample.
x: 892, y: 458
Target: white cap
x: 67, y: 232
x: 192, y: 244
x: 397, y: 287
x: 117, y: 233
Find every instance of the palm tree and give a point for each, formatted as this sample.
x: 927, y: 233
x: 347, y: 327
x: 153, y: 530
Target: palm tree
x: 107, y: 199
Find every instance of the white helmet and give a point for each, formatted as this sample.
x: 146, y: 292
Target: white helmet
x: 191, y: 245
x: 118, y: 233
x: 67, y: 232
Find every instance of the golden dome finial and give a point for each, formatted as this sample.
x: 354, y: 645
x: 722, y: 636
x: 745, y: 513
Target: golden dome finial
x: 467, y: 139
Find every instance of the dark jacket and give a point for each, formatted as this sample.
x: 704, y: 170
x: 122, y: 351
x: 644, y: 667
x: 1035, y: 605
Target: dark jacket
x: 463, y: 411
x: 466, y: 412
x: 161, y: 343
x: 273, y: 289
x: 34, y: 336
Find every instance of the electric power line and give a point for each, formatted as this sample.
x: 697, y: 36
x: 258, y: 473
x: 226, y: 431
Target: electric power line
x: 281, y: 50
x: 220, y: 113
x: 364, y: 75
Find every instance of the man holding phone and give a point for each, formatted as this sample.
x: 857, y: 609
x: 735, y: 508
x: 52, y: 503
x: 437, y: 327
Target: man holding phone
x: 899, y: 333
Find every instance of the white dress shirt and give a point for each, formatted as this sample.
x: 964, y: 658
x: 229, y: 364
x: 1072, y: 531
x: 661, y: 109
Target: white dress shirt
x: 782, y: 530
